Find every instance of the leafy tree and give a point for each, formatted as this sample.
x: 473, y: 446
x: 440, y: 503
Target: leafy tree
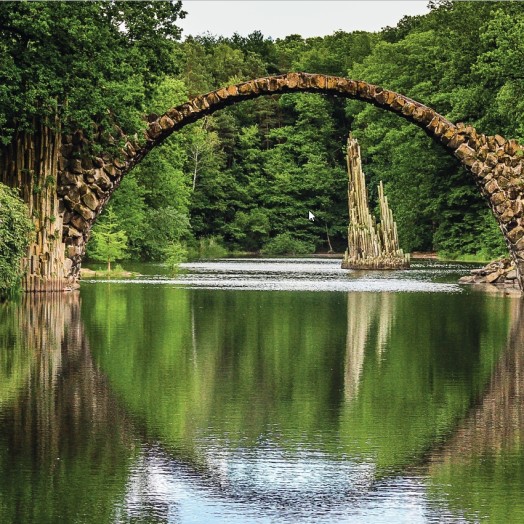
x: 84, y: 62
x: 109, y: 243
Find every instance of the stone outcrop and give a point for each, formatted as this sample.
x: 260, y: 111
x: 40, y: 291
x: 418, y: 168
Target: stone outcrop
x: 85, y: 181
x: 499, y: 272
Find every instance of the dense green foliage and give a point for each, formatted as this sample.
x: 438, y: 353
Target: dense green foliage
x: 249, y: 174
x: 83, y: 62
x: 15, y: 228
x: 343, y: 372
x: 252, y: 172
x: 109, y: 243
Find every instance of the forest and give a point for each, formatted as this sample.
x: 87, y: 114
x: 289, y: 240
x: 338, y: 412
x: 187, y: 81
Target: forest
x: 244, y: 179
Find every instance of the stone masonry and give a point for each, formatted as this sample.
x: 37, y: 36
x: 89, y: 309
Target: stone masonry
x: 85, y: 183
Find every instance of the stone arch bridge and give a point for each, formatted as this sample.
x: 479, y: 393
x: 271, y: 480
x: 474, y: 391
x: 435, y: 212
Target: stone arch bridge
x: 74, y: 185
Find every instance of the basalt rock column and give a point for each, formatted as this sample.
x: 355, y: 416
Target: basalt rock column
x: 370, y: 245
x: 30, y: 163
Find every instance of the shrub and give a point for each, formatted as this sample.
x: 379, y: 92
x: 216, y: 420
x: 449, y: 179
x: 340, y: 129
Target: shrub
x: 175, y: 254
x: 286, y: 244
x: 207, y: 247
x: 15, y: 229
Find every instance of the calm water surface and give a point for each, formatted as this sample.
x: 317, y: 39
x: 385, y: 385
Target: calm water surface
x: 264, y: 391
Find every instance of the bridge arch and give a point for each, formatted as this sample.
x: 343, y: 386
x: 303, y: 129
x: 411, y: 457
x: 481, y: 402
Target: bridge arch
x: 496, y: 164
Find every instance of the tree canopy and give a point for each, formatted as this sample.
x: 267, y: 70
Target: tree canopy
x: 83, y: 62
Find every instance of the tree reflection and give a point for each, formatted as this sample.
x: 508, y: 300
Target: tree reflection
x: 301, y: 401
x: 65, y: 446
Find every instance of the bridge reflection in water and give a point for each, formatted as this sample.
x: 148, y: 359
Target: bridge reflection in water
x: 80, y: 443
x: 65, y: 445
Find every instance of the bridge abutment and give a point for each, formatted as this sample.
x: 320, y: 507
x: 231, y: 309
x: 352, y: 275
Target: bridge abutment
x: 30, y: 163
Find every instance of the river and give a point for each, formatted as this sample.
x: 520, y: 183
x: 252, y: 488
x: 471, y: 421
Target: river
x: 282, y: 390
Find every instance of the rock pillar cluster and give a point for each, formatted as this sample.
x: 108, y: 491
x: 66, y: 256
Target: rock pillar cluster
x: 370, y: 245
x: 30, y: 163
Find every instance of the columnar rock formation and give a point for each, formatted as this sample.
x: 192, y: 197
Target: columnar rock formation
x: 370, y: 245
x: 30, y: 162
x: 86, y: 181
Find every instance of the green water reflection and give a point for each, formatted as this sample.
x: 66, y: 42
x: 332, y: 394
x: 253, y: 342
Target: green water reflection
x: 479, y: 472
x: 425, y: 385
x: 65, y: 449
x: 383, y: 377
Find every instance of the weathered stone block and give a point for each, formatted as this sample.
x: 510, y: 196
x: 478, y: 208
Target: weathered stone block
x: 71, y: 232
x: 456, y: 141
x: 75, y: 166
x: 448, y: 134
x: 503, y: 182
x: 507, y: 216
x: 210, y: 98
x: 72, y: 195
x: 476, y: 168
x: 244, y: 89
x: 332, y: 82
x: 99, y: 192
x: 273, y: 83
x: 82, y: 187
x: 110, y: 169
x: 84, y: 212
x: 177, y: 117
x: 73, y: 251
x: 222, y: 93
x: 491, y: 160
x: 102, y: 180
x: 492, y: 278
x: 154, y: 130
x: 67, y: 178
x: 98, y: 162
x: 130, y: 149
x: 511, y: 147
x: 90, y: 201
x: 515, y: 234
x: 512, y: 192
x: 165, y: 123
x: 87, y: 163
x: 293, y: 80
x: 408, y: 109
x: 500, y: 141
x: 78, y: 222
x: 498, y: 198
x: 398, y: 103
x: 319, y: 81
x: 466, y: 155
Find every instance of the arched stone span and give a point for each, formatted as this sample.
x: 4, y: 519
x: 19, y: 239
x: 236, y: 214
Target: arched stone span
x: 86, y: 183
